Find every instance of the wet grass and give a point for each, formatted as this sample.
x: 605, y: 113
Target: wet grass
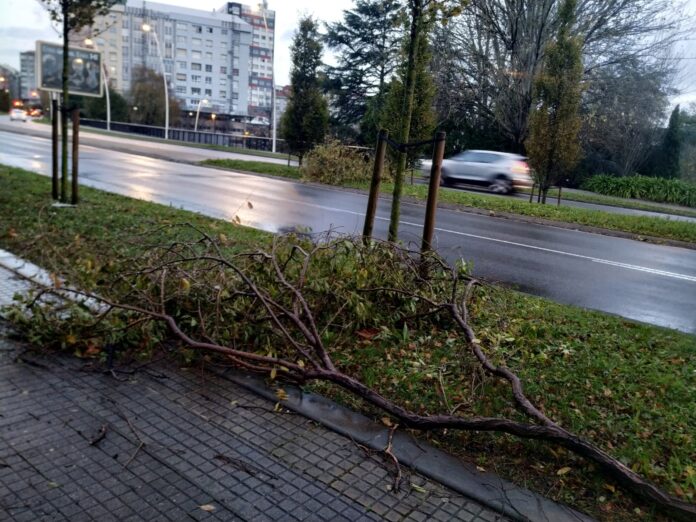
x: 628, y: 387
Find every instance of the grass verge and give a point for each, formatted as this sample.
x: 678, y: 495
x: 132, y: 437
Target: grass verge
x: 626, y: 386
x: 639, y: 225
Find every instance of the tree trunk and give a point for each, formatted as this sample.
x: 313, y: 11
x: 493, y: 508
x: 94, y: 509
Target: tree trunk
x: 64, y: 107
x: 409, y: 90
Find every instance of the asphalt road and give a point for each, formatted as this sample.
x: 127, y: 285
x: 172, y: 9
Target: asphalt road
x: 650, y: 283
x: 175, y: 151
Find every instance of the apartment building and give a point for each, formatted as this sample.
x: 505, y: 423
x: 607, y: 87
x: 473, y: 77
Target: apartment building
x: 27, y: 75
x: 206, y: 54
x: 260, y: 58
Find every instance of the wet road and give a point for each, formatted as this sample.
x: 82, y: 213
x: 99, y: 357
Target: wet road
x: 650, y: 283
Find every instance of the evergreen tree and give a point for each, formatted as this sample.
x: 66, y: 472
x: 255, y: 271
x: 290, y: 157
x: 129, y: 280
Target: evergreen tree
x: 367, y: 42
x: 668, y: 166
x: 306, y: 117
x: 147, y: 95
x: 553, y: 145
x: 96, y: 107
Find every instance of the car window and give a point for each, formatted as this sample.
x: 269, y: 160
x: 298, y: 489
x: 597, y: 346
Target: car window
x: 487, y: 157
x: 462, y: 156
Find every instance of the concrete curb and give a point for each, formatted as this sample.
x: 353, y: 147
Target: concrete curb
x: 517, y: 503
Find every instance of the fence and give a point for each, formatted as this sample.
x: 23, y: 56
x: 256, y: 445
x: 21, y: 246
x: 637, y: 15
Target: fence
x: 190, y: 136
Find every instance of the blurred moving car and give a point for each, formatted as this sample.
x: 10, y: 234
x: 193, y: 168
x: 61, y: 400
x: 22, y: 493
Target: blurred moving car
x: 501, y: 172
x: 35, y: 112
x: 18, y: 114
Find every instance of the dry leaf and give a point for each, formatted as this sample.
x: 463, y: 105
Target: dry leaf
x: 249, y: 204
x: 610, y: 487
x: 281, y: 394
x: 563, y: 471
x: 418, y: 488
x: 481, y: 469
x: 274, y: 372
x: 207, y: 507
x: 387, y: 422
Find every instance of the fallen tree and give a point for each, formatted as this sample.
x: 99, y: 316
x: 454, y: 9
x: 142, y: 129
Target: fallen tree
x: 283, y: 312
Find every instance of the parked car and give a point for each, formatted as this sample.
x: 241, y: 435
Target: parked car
x: 18, y: 114
x: 501, y: 172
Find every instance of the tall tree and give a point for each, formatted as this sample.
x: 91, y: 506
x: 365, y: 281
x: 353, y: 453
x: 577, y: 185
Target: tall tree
x: 671, y: 148
x: 421, y: 15
x: 96, y: 107
x: 367, y: 43
x: 553, y: 145
x: 306, y: 117
x: 423, y: 118
x: 148, y: 96
x: 71, y: 15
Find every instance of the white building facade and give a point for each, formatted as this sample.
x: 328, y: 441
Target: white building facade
x: 207, y: 54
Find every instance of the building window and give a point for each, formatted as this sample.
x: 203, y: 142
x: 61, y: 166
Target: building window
x: 223, y: 94
x: 223, y: 69
x: 181, y: 89
x: 197, y: 29
x: 195, y: 66
x: 222, y: 82
x: 196, y: 55
x: 181, y: 26
x: 208, y: 68
x: 208, y: 92
x: 209, y: 30
x: 168, y: 50
x: 209, y: 57
x: 208, y: 80
x: 196, y: 42
x: 180, y: 53
x: 224, y: 32
x: 181, y: 40
x: 195, y: 78
x: 196, y: 90
x: 181, y: 65
x: 209, y: 43
x: 180, y: 77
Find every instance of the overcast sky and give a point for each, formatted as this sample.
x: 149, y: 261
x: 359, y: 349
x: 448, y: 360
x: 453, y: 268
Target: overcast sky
x: 22, y: 22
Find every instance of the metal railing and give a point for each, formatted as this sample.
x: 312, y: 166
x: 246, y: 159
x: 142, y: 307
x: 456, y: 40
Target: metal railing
x: 222, y: 139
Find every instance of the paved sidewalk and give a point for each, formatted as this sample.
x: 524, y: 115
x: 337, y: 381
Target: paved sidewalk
x: 182, y: 444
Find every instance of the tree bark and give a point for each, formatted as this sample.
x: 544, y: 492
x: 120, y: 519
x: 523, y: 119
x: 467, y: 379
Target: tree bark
x: 409, y: 90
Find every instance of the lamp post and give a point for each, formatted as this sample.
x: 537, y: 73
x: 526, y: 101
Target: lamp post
x: 212, y: 117
x: 198, y: 112
x: 147, y: 28
x: 263, y: 8
x: 91, y: 43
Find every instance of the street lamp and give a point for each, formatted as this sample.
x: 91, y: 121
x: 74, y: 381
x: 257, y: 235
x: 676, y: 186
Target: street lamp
x: 262, y: 8
x: 198, y: 112
x: 91, y: 43
x: 213, y: 116
x: 147, y: 28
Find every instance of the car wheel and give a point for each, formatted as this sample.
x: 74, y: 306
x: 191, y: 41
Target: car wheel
x: 501, y: 185
x: 445, y: 181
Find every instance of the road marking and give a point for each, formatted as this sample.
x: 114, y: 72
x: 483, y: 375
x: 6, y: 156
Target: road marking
x: 627, y: 266
x: 674, y: 275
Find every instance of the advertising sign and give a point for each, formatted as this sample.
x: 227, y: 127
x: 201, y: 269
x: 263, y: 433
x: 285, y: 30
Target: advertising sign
x: 84, y: 72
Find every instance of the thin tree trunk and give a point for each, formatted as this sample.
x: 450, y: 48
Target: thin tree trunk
x: 64, y: 108
x: 409, y: 90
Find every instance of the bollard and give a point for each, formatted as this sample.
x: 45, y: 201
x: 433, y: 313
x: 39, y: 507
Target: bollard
x: 431, y: 206
x: 75, y: 152
x: 374, y: 185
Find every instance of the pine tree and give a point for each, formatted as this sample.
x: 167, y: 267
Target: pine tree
x: 367, y: 42
x: 553, y: 145
x: 306, y: 117
x: 668, y: 166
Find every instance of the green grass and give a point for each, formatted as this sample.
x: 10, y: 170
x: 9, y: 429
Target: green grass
x: 639, y: 225
x: 258, y: 167
x: 628, y: 387
x: 599, y: 199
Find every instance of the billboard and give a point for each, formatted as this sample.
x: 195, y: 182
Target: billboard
x: 84, y: 72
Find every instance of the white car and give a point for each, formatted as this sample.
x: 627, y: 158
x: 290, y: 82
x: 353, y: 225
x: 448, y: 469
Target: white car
x: 18, y: 114
x: 501, y: 172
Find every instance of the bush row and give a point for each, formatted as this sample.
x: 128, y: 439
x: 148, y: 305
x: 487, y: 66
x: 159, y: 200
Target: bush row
x: 643, y: 187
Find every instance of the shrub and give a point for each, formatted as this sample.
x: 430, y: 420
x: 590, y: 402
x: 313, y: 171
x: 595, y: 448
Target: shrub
x: 336, y: 164
x: 643, y: 187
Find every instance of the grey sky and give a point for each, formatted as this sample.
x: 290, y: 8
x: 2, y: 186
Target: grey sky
x: 22, y: 22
